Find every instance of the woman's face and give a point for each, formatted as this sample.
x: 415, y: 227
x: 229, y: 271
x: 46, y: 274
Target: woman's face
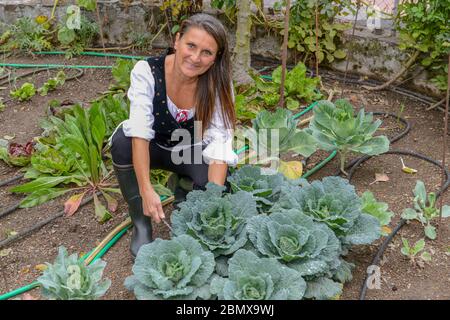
x: 196, y: 52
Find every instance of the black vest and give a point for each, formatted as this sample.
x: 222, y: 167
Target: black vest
x: 164, y: 123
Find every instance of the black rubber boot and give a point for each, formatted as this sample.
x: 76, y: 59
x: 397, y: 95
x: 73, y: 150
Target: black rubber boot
x: 142, y: 230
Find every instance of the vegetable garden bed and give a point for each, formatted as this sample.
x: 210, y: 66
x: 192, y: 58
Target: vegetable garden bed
x: 400, y: 279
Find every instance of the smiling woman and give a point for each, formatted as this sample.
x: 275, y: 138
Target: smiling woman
x: 185, y: 93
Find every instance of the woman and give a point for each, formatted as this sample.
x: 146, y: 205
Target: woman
x: 185, y: 92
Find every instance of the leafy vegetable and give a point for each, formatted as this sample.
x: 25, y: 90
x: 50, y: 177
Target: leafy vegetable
x: 121, y: 72
x: 412, y: 251
x: 53, y: 83
x: 218, y: 222
x: 335, y: 127
x: 296, y: 240
x: 265, y: 188
x: 254, y: 278
x: 332, y: 201
x: 24, y: 93
x: 82, y: 136
x: 276, y: 133
x: 68, y: 278
x: 172, y: 269
x: 379, y: 210
x: 425, y: 209
x: 15, y: 154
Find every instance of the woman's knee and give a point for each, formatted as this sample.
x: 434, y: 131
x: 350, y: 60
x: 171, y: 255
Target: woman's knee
x: 121, y: 151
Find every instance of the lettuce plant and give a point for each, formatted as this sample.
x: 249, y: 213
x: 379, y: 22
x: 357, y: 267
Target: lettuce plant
x: 15, y: 154
x: 68, y: 278
x: 24, y: 93
x: 53, y: 83
x: 172, y: 269
x: 425, y: 209
x: 332, y: 201
x: 254, y: 278
x: 218, y: 222
x: 335, y: 127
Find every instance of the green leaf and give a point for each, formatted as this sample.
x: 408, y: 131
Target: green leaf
x: 41, y: 196
x: 41, y: 183
x: 339, y: 54
x: 426, y: 256
x: 418, y: 246
x: 101, y: 213
x: 446, y: 211
x: 66, y: 36
x: 409, y: 214
x: 87, y: 4
x: 430, y: 232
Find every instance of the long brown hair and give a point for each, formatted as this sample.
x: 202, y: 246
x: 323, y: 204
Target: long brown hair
x: 217, y: 80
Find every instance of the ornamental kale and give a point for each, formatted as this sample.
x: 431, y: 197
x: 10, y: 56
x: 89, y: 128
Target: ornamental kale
x: 70, y: 279
x: 254, y: 278
x: 335, y: 127
x: 219, y: 223
x: 334, y: 202
x: 172, y: 269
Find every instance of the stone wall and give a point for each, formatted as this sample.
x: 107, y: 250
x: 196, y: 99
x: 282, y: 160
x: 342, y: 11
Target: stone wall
x: 371, y: 55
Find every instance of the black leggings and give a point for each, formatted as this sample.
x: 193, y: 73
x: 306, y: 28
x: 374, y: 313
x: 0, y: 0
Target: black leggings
x: 160, y: 158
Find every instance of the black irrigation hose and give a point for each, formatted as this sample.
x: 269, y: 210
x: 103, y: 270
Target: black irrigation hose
x: 39, y: 225
x: 9, y: 210
x: 9, y: 180
x: 402, y: 222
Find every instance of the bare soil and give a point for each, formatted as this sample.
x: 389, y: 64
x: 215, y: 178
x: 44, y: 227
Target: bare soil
x: 400, y: 279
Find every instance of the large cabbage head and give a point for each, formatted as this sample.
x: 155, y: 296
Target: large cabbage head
x: 296, y: 240
x: 172, y: 269
x: 254, y: 278
x: 333, y: 201
x: 218, y: 221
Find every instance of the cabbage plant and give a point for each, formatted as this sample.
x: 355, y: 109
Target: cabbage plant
x: 300, y: 243
x: 254, y: 278
x: 218, y: 222
x: 296, y: 240
x: 172, y: 269
x: 334, y: 202
x: 274, y: 133
x: 68, y: 278
x: 264, y: 187
x: 335, y: 127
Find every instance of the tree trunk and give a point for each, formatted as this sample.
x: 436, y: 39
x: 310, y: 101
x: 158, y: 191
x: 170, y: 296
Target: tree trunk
x: 241, y: 53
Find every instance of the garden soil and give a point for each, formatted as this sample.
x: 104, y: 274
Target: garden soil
x: 399, y: 277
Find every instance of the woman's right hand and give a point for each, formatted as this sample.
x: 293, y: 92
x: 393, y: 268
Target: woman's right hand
x: 151, y: 203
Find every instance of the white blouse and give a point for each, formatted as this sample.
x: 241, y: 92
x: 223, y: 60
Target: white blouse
x: 217, y: 137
